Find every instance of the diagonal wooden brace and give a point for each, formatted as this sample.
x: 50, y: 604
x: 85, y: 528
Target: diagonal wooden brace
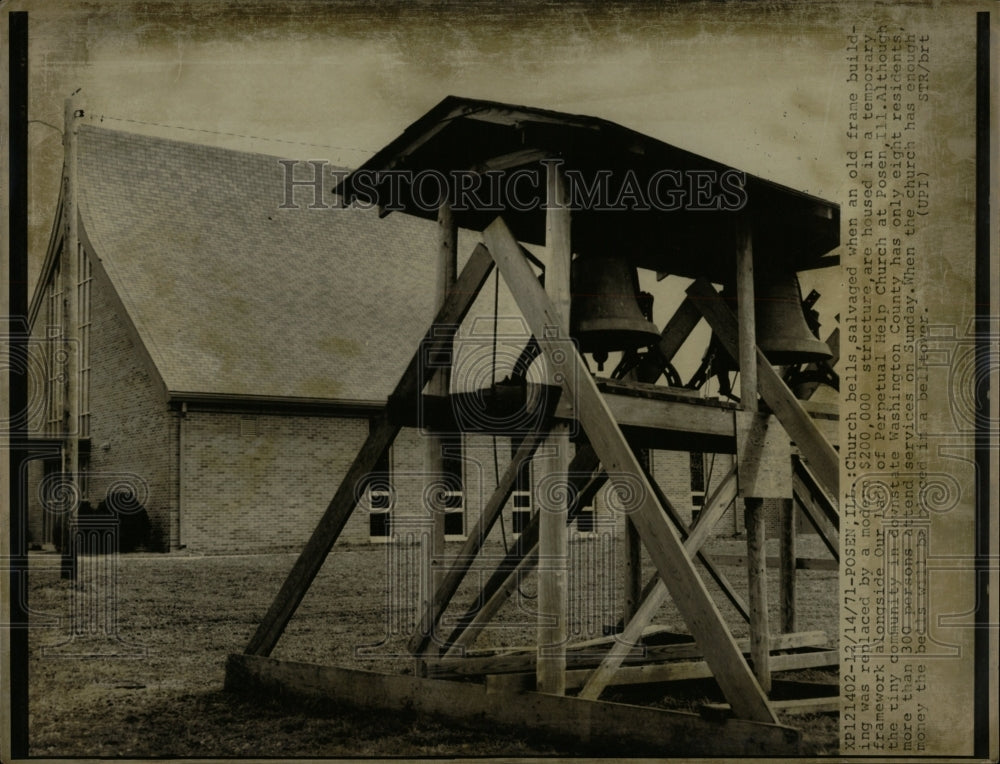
x: 820, y: 513
x: 465, y: 557
x: 662, y: 542
x: 693, y: 545
x: 657, y: 594
x: 673, y: 336
x: 822, y: 457
x: 519, y: 560
x: 454, y: 308
x: 715, y: 507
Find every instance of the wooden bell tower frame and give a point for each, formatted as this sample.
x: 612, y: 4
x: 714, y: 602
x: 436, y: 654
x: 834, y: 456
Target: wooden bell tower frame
x: 605, y: 412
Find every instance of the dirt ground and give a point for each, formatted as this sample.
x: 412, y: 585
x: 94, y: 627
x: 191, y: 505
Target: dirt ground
x: 145, y: 676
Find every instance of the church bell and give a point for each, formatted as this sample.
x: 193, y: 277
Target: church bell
x: 781, y: 328
x: 605, y: 314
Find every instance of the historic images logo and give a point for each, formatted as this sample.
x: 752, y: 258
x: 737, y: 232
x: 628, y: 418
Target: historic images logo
x: 519, y: 190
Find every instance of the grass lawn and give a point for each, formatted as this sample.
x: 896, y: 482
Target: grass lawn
x: 150, y: 682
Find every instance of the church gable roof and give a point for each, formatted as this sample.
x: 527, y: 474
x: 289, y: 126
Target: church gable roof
x: 233, y: 295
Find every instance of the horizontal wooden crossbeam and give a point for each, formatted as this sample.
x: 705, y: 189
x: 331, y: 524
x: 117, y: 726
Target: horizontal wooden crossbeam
x: 648, y: 673
x: 801, y: 563
x: 824, y: 705
x: 672, y: 421
x: 591, y: 655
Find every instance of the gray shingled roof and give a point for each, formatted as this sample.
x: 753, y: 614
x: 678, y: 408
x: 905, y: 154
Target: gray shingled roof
x: 231, y: 294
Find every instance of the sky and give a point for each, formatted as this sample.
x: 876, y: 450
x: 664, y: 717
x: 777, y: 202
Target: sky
x: 759, y: 89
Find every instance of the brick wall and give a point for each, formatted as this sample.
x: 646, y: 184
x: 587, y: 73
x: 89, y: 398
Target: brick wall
x: 254, y: 483
x: 133, y: 435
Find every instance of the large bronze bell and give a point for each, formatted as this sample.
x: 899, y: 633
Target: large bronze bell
x: 781, y: 328
x: 605, y: 316
x: 782, y: 332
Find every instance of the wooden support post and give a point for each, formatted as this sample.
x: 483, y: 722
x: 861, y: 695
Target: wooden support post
x: 633, y: 569
x: 381, y: 436
x: 633, y: 552
x: 439, y: 384
x: 553, y: 549
x: 747, y: 323
x: 753, y: 520
x: 787, y: 557
x: 663, y: 543
x: 760, y: 652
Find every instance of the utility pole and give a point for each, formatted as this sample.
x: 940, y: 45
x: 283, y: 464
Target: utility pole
x: 69, y: 273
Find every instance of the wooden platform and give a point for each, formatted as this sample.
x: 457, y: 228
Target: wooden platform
x: 586, y: 725
x: 653, y: 416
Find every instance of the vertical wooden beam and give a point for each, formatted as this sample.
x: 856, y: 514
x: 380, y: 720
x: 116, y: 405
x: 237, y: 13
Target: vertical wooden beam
x: 633, y: 544
x: 747, y: 317
x: 439, y: 384
x: 760, y: 651
x: 633, y: 569
x: 787, y: 556
x: 69, y: 269
x: 753, y: 520
x: 553, y: 550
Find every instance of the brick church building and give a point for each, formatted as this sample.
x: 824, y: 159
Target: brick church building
x: 234, y: 343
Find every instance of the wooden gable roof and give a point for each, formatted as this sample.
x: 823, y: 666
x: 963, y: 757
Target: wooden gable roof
x: 696, y: 238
